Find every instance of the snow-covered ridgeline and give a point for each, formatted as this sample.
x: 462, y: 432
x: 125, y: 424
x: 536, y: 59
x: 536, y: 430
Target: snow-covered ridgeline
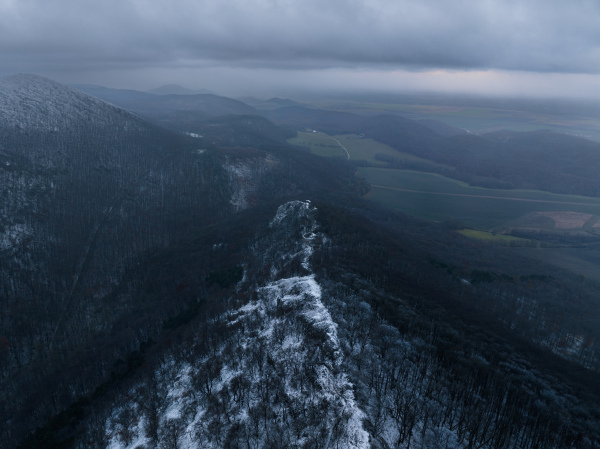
x: 303, y: 210
x: 278, y: 373
x: 302, y: 294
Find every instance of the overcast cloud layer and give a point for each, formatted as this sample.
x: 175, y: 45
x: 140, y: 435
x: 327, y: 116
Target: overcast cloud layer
x: 65, y: 37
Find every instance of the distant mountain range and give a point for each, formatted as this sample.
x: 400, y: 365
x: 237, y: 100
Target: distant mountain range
x: 174, y: 89
x: 177, y: 111
x: 272, y: 103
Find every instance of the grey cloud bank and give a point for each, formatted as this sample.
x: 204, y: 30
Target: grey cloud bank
x: 81, y: 40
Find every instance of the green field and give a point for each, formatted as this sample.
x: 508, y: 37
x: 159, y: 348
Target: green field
x: 358, y: 147
x: 496, y: 238
x: 319, y: 143
x: 438, y: 198
x: 435, y: 197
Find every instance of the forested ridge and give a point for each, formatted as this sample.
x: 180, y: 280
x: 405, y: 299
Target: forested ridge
x: 425, y: 361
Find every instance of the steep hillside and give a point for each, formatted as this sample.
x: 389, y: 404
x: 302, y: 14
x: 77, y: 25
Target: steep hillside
x: 87, y: 192
x: 32, y: 103
x: 282, y: 362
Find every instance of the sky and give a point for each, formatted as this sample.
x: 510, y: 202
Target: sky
x: 254, y: 47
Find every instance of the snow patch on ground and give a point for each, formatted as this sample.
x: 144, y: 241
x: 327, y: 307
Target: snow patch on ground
x: 290, y: 208
x: 178, y: 392
x: 14, y: 235
x: 305, y: 294
x: 244, y: 176
x: 240, y: 176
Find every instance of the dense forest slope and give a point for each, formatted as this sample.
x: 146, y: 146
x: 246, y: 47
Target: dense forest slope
x: 87, y: 190
x: 307, y: 334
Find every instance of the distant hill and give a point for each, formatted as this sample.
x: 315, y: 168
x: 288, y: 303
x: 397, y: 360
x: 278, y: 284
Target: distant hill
x: 121, y: 97
x: 282, y: 102
x: 330, y: 122
x: 242, y: 130
x: 441, y: 128
x: 174, y: 89
x: 211, y: 105
x: 541, y: 160
x: 269, y: 105
x: 173, y: 111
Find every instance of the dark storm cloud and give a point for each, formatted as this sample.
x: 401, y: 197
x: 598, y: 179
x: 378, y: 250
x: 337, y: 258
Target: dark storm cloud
x: 539, y: 36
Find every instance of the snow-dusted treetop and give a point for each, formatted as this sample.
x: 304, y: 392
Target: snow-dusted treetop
x: 31, y: 102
